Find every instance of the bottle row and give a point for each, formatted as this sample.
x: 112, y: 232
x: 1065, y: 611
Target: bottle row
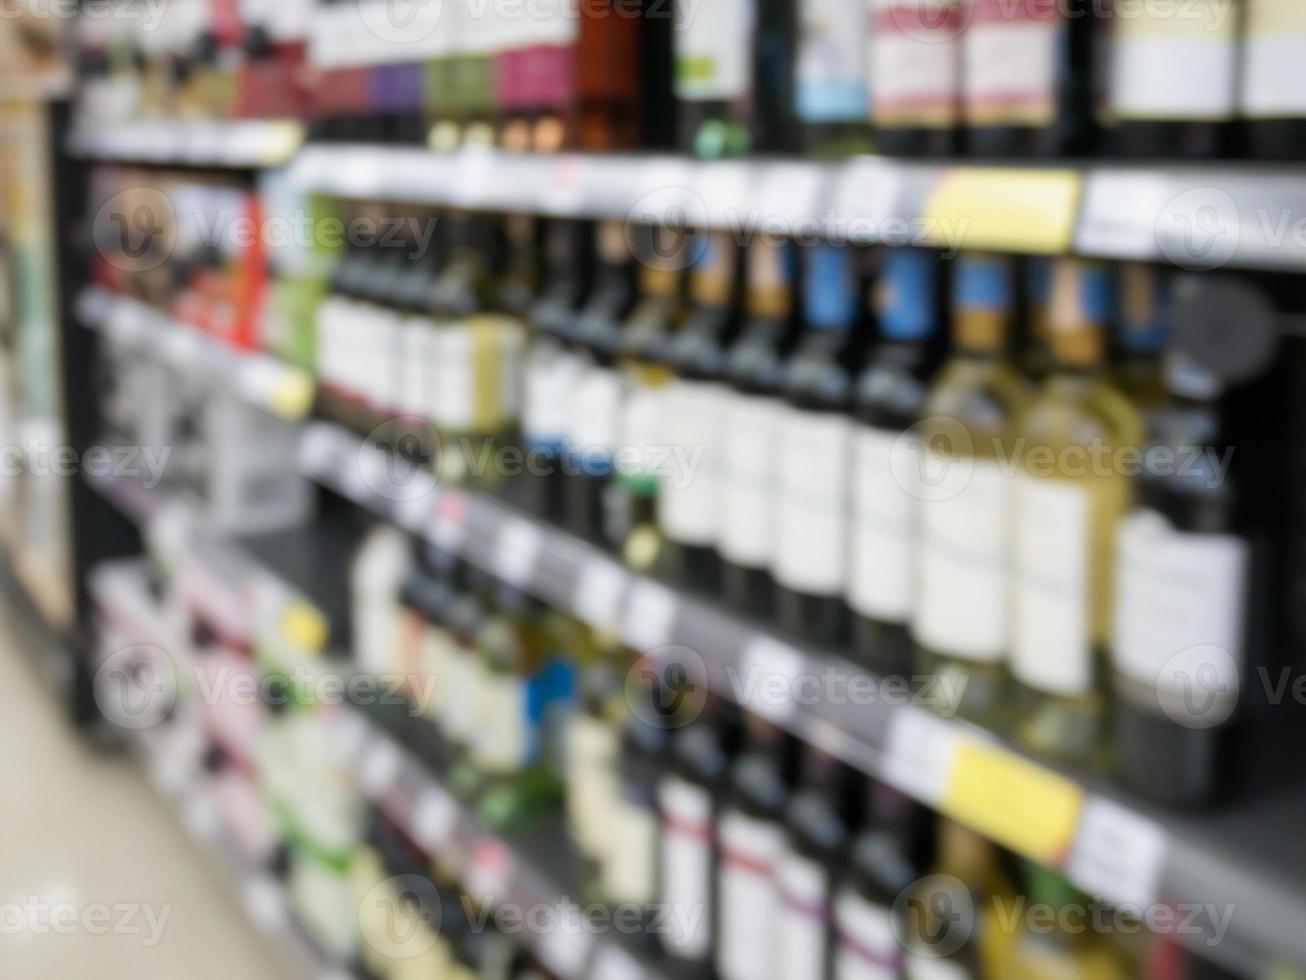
x: 728, y: 78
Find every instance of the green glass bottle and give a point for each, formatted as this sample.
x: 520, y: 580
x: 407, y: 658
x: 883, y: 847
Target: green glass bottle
x: 1055, y: 942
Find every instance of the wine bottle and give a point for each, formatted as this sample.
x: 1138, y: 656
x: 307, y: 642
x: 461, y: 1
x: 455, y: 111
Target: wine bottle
x: 754, y: 369
x: 690, y: 494
x: 1271, y: 104
x: 1181, y: 600
x: 960, y: 621
x: 644, y: 357
x: 889, y: 399
x: 819, y: 822
x: 689, y: 798
x: 831, y: 96
x: 1069, y: 497
x: 813, y: 451
x: 464, y: 671
x: 883, y: 862
x: 534, y: 77
x: 1067, y: 948
x: 1144, y: 330
x: 376, y: 575
x: 1035, y: 360
x: 751, y: 837
x: 1174, y: 80
x: 592, y: 429
x: 1042, y: 109
x: 623, y: 76
x: 915, y: 76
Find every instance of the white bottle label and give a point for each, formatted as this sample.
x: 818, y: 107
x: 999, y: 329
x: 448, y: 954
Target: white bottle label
x: 595, y: 412
x: 884, y: 515
x: 686, y: 866
x: 1012, y: 63
x: 868, y: 947
x: 812, y: 525
x: 1274, y: 51
x: 453, y: 377
x: 461, y: 717
x: 643, y: 450
x: 831, y: 70
x: 749, y: 477
x: 551, y: 379
x: 804, y: 890
x: 591, y: 782
x: 914, y: 62
x: 749, y: 903
x: 1170, y: 65
x: 418, y: 354
x: 1051, y: 648
x: 1179, y: 606
x: 630, y: 871
x: 964, y: 581
x: 714, y: 49
x: 439, y: 651
x: 929, y: 968
x: 503, y: 730
x: 690, y: 490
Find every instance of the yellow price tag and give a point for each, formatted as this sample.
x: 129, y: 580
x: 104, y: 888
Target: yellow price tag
x: 304, y: 627
x: 1006, y: 210
x: 1020, y: 805
x: 279, y: 141
x: 292, y: 395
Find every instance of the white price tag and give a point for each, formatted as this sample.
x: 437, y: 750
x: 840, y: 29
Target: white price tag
x: 316, y: 450
x: 866, y: 197
x: 450, y: 520
x: 434, y: 819
x: 200, y: 815
x: 127, y: 321
x: 791, y: 191
x: 771, y: 674
x: 1118, y: 854
x: 182, y: 346
x: 490, y: 870
x: 665, y: 195
x: 517, y: 551
x: 1120, y: 213
x: 725, y: 186
x: 264, y: 904
x: 416, y: 507
x: 920, y: 753
x: 566, y: 947
x: 599, y: 591
x: 564, y: 191
x: 650, y: 615
x: 349, y: 737
x: 614, y: 963
x: 380, y: 769
x: 477, y: 177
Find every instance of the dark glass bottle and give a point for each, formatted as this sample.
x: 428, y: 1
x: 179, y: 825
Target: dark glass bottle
x: 1271, y: 102
x: 592, y: 431
x: 623, y: 76
x: 831, y: 74
x: 915, y: 66
x: 814, y: 449
x: 689, y: 797
x: 754, y: 368
x: 889, y: 400
x: 819, y: 823
x: 1174, y: 81
x: 689, y: 497
x: 751, y: 838
x: 1144, y: 330
x: 1045, y: 109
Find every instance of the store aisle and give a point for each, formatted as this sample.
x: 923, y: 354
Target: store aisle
x: 97, y: 878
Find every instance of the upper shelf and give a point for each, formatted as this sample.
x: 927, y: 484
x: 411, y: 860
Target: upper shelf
x: 240, y: 144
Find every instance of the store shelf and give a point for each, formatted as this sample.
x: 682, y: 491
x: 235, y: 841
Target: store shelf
x: 1125, y: 851
x: 1242, y: 215
x: 237, y: 143
x: 257, y: 378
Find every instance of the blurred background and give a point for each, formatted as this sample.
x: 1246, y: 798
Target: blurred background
x: 637, y: 489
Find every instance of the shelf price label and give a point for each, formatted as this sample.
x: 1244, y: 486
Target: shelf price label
x: 614, y: 963
x: 1120, y: 213
x: 920, y: 754
x: 517, y: 551
x: 435, y: 817
x: 566, y: 947
x: 490, y: 869
x: 650, y: 616
x: 380, y: 769
x: 1118, y: 854
x: 1015, y: 210
x: 1017, y: 803
x: 264, y: 903
x: 450, y: 520
x: 599, y: 591
x: 772, y: 671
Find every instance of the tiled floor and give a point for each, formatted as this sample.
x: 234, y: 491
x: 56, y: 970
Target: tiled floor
x: 97, y: 879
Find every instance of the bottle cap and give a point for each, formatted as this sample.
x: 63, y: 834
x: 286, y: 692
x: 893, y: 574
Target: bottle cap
x: 830, y: 293
x: 904, y: 294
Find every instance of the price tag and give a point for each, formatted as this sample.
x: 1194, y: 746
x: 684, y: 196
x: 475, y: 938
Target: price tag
x: 614, y: 963
x: 1120, y: 213
x: 599, y: 591
x: 304, y: 627
x: 866, y: 197
x: 380, y: 769
x: 1017, y: 803
x: 264, y: 904
x: 200, y: 815
x: 791, y: 192
x: 127, y: 321
x: 450, y: 520
x: 725, y: 187
x: 771, y: 674
x: 434, y: 819
x: 278, y: 142
x: 564, y: 190
x: 920, y: 754
x: 517, y: 551
x: 284, y: 391
x: 316, y: 450
x: 477, y: 177
x: 566, y: 947
x: 665, y: 196
x: 414, y: 510
x: 349, y: 735
x: 182, y: 346
x: 1118, y: 854
x: 490, y: 869
x: 1005, y: 209
x: 650, y: 615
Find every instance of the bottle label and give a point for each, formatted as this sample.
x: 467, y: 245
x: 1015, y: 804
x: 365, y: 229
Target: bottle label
x: 1050, y: 647
x: 930, y: 968
x: 1172, y: 66
x: 453, y: 387
x: 748, y: 498
x: 381, y: 381
x: 831, y: 71
x: 714, y: 49
x: 418, y: 334
x: 749, y: 904
x: 914, y: 63
x: 868, y: 947
x: 686, y: 866
x: 551, y: 378
x: 884, y: 515
x: 1274, y: 50
x: 464, y: 675
x: 591, y: 781
x: 439, y: 651
x: 1180, y: 606
x: 811, y: 532
x: 630, y: 871
x: 691, y: 487
x: 592, y: 429
x: 963, y: 583
x: 505, y: 732
x: 804, y: 919
x: 640, y: 455
x: 1013, y: 54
